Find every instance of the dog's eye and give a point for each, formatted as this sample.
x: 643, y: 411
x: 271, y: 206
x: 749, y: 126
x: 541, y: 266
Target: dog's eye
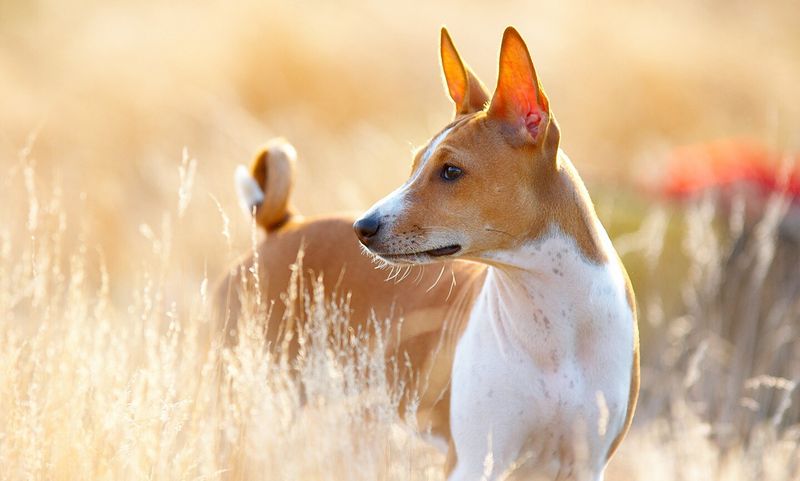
x: 451, y: 172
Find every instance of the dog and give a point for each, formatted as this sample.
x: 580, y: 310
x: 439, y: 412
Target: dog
x: 530, y: 355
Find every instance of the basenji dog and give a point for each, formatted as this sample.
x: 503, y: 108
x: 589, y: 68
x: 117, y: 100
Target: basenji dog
x: 530, y: 357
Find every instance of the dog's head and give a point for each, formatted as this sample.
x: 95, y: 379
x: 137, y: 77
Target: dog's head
x: 483, y: 182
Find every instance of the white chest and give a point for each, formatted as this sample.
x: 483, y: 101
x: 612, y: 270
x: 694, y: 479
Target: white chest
x: 542, y: 372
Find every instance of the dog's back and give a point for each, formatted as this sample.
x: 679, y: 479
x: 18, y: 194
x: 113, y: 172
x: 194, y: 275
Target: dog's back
x: 543, y: 362
x: 430, y: 302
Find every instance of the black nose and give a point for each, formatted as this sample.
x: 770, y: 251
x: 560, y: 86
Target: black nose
x: 366, y: 228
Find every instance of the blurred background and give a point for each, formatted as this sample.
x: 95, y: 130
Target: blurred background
x: 111, y: 92
x: 682, y: 117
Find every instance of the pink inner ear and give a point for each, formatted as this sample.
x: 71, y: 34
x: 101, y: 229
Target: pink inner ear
x: 532, y: 121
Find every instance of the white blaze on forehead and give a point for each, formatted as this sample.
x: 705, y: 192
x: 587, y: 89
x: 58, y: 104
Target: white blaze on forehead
x: 393, y: 203
x: 434, y: 144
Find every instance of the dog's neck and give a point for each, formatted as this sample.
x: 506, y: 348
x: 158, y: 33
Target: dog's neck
x: 553, y: 257
x: 552, y: 264
x: 561, y: 246
x: 540, y: 295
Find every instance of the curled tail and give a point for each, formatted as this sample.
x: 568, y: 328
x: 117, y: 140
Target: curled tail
x: 264, y: 188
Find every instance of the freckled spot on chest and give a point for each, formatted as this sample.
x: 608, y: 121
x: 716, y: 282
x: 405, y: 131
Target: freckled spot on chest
x: 547, y: 361
x: 555, y: 359
x: 539, y: 317
x: 585, y: 339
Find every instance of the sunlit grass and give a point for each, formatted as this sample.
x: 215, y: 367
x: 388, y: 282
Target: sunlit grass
x: 112, y: 232
x: 92, y: 390
x: 95, y: 389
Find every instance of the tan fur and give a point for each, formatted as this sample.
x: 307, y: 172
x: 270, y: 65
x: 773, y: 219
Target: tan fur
x: 273, y: 169
x: 466, y: 90
x: 497, y: 171
x: 516, y: 184
x: 433, y: 307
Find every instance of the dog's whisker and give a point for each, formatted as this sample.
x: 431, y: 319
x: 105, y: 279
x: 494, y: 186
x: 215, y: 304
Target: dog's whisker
x: 498, y: 231
x: 420, y: 272
x: 452, y: 283
x: 395, y: 272
x: 408, y: 271
x: 437, y: 279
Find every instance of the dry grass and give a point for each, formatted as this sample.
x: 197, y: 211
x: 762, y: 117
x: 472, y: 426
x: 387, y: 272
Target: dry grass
x: 91, y: 390
x: 108, y: 366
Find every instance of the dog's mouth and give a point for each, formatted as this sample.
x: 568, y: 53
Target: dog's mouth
x: 445, y: 251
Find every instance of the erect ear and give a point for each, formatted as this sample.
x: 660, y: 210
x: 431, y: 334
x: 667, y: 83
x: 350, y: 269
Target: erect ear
x: 519, y: 98
x: 468, y: 93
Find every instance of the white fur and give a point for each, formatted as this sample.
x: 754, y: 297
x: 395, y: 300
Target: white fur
x: 247, y: 189
x: 434, y: 145
x: 393, y: 204
x: 549, y: 334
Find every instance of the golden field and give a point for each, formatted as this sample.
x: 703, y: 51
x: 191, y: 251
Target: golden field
x: 121, y: 124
